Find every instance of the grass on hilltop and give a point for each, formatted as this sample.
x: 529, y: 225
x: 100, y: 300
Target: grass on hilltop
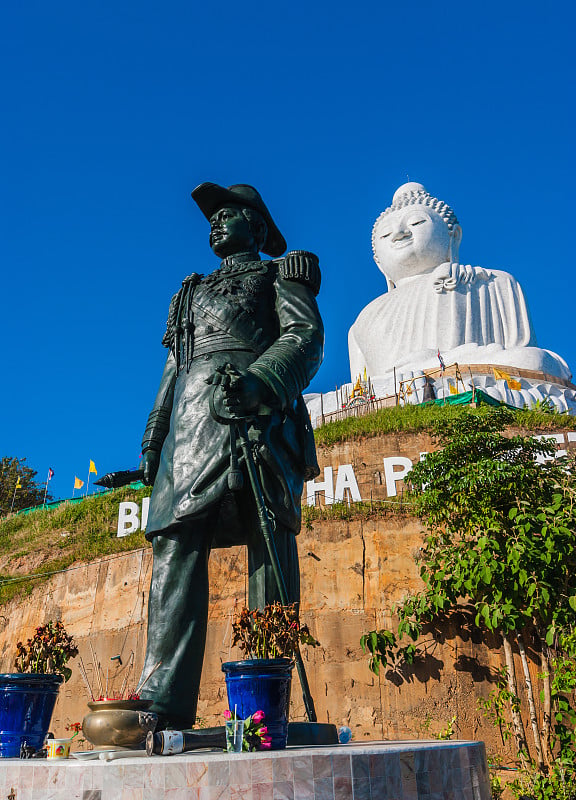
x: 49, y: 540
x: 413, y: 419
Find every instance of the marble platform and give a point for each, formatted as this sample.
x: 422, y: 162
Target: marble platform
x: 406, y: 770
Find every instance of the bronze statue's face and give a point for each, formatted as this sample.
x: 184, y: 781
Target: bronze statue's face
x: 230, y: 232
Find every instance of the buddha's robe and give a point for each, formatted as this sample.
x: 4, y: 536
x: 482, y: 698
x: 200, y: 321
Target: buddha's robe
x: 482, y: 321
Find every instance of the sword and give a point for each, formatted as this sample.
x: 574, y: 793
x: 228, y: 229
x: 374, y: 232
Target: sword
x: 239, y: 428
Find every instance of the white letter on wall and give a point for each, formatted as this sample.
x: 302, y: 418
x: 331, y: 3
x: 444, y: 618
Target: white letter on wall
x: 346, y: 480
x: 128, y: 519
x: 145, y: 507
x: 326, y: 486
x: 551, y: 437
x: 393, y: 475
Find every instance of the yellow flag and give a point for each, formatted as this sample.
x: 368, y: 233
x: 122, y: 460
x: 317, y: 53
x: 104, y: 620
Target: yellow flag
x: 514, y: 384
x: 453, y: 389
x: 78, y: 484
x: 500, y: 375
x: 92, y: 468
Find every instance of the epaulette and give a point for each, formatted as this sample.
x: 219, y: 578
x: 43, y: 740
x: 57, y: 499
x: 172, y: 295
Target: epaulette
x: 168, y: 338
x: 301, y: 266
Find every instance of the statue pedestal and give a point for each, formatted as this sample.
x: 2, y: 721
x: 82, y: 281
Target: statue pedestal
x: 403, y: 770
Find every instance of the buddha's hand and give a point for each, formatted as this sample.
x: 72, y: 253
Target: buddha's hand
x: 447, y: 276
x: 469, y: 274
x: 243, y: 393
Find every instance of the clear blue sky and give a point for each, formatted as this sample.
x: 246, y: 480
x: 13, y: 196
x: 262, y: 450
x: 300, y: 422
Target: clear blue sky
x: 111, y: 113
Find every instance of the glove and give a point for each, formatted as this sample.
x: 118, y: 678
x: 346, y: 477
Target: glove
x: 150, y: 463
x: 242, y: 392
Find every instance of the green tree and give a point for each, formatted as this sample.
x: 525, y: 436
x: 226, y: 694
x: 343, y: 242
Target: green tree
x: 501, y: 546
x: 13, y: 471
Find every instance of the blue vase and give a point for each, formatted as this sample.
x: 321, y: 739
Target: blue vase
x: 261, y: 684
x: 26, y: 705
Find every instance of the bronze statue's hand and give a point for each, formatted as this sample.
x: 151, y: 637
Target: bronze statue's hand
x: 244, y: 394
x: 223, y: 375
x: 150, y: 461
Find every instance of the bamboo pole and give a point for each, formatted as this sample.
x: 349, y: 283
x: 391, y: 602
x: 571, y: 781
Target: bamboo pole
x: 14, y: 495
x: 473, y: 386
x: 46, y: 490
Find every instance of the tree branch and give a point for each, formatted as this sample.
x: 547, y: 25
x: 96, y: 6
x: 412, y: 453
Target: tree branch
x: 517, y: 723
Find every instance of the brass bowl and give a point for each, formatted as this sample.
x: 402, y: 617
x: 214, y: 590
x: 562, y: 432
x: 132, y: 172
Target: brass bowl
x: 119, y: 724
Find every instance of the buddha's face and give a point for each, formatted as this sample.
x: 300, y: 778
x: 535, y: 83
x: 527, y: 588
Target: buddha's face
x: 411, y: 241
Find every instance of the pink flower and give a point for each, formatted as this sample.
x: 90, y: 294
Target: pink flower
x: 227, y: 714
x: 265, y: 745
x: 262, y: 731
x: 257, y: 717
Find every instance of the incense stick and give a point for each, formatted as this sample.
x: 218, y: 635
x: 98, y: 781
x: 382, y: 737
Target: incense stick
x: 143, y: 684
x: 96, y: 664
x: 85, y: 678
x: 129, y: 670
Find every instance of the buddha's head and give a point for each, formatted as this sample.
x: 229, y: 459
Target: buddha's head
x: 414, y: 235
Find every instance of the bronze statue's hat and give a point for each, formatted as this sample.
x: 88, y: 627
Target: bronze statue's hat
x: 211, y: 197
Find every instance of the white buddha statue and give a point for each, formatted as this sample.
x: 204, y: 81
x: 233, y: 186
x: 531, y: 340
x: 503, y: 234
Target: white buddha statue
x: 435, y: 304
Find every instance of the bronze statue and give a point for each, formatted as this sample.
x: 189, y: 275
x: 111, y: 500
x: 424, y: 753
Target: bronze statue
x: 250, y: 330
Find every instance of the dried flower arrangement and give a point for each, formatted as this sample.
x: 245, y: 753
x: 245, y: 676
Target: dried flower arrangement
x: 274, y: 632
x: 48, y: 651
